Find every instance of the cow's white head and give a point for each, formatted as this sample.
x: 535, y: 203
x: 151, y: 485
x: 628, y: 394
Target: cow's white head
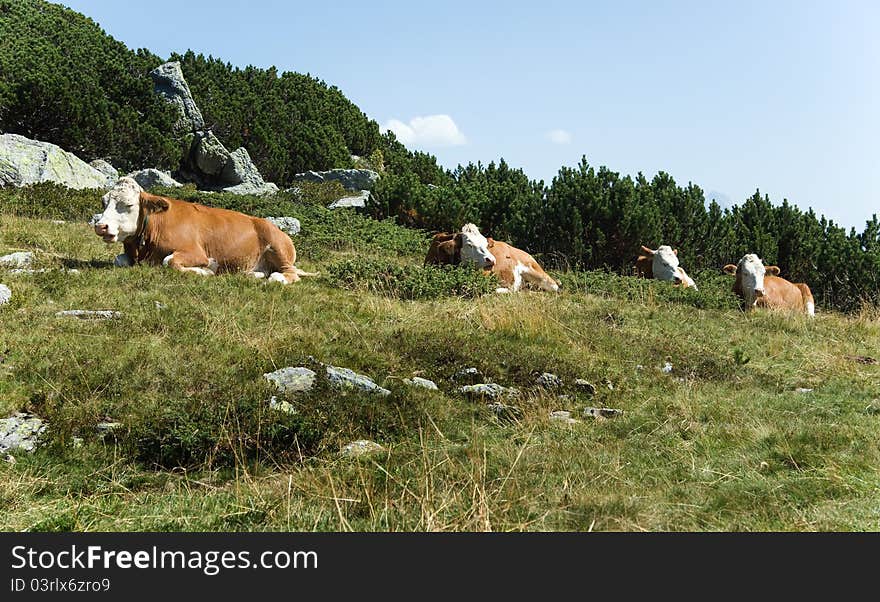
x: 750, y: 272
x: 121, y: 211
x: 665, y: 263
x: 475, y: 247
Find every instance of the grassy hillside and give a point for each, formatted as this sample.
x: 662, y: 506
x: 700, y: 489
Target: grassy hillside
x: 723, y: 442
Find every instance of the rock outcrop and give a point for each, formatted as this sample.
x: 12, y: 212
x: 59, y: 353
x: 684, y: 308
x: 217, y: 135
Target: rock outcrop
x: 169, y: 83
x: 208, y: 163
x: 24, y: 162
x: 351, y: 179
x: 148, y: 178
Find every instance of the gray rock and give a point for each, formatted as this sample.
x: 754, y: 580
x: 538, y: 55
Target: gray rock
x: 19, y: 259
x: 468, y: 375
x: 549, y: 381
x: 585, y: 386
x: 88, y: 314
x: 563, y: 416
x: 5, y: 294
x: 504, y: 411
x: 488, y: 390
x: 292, y: 380
x: 108, y: 170
x: 150, y: 178
x: 602, y: 412
x: 803, y: 390
x: 24, y: 162
x: 209, y: 154
x: 264, y: 189
x: 360, y: 448
x: 351, y: 179
x: 169, y: 83
x: 667, y: 368
x: 358, y: 201
x: 344, y: 378
x: 291, y: 225
x: 20, y: 432
x: 282, y: 405
x: 416, y: 381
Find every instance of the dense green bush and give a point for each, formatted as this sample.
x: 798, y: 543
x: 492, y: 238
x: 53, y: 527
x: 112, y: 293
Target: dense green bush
x: 63, y: 80
x: 386, y: 277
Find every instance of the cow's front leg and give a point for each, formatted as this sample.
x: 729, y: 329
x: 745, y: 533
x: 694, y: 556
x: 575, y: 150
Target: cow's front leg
x: 191, y: 261
x: 123, y: 261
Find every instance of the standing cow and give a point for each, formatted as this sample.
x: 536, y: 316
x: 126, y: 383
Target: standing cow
x: 760, y: 286
x: 193, y: 238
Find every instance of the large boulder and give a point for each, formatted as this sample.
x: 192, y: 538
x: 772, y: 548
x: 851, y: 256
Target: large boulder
x: 108, y: 170
x: 351, y: 179
x: 24, y: 162
x: 215, y: 168
x: 148, y: 178
x: 209, y: 155
x: 168, y: 82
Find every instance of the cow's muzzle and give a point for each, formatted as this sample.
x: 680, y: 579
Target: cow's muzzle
x: 102, y: 230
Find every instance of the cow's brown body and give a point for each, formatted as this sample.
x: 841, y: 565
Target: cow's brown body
x: 779, y: 293
x: 185, y: 235
x: 443, y: 250
x: 513, y: 267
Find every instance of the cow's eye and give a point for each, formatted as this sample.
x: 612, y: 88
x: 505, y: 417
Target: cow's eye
x: 121, y: 207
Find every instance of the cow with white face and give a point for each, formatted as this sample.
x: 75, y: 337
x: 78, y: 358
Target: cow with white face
x: 513, y: 267
x: 662, y: 264
x: 193, y: 238
x: 760, y: 286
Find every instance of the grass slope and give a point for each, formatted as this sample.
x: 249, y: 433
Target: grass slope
x: 722, y: 443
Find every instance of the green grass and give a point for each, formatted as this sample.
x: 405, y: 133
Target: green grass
x: 722, y: 443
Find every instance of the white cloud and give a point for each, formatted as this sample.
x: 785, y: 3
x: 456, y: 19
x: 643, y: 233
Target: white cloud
x: 559, y: 136
x: 427, y: 131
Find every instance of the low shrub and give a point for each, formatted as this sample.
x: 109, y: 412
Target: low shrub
x: 385, y: 277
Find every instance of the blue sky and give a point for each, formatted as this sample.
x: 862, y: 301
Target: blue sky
x: 778, y: 95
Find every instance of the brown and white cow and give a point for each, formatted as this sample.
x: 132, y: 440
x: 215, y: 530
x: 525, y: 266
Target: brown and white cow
x: 761, y: 286
x: 512, y: 266
x: 193, y: 238
x: 662, y: 264
x: 445, y: 249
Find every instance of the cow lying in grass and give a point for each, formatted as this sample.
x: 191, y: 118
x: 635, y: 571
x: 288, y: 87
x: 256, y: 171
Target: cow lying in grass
x: 193, y: 238
x: 512, y: 266
x: 662, y: 264
x: 760, y: 286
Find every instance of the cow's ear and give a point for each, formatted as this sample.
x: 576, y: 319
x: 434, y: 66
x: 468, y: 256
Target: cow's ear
x: 443, y: 236
x: 153, y: 203
x: 647, y: 251
x: 773, y: 270
x: 675, y: 252
x: 729, y: 269
x: 491, y: 242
